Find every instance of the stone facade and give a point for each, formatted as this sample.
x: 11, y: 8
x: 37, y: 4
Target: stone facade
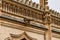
x: 27, y: 20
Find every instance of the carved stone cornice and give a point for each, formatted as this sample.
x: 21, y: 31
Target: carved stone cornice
x: 21, y: 26
x: 17, y: 18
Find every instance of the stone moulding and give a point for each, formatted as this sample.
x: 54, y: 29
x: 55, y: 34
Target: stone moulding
x: 21, y: 27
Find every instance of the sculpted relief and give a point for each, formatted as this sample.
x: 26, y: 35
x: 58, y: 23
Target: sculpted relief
x: 22, y: 36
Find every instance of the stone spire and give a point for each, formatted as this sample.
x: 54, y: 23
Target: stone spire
x: 44, y: 4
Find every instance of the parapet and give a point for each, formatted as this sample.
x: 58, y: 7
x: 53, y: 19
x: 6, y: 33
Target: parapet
x: 37, y: 6
x: 55, y: 13
x: 32, y: 4
x: 29, y: 3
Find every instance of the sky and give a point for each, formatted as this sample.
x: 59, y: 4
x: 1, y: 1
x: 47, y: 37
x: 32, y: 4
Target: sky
x: 53, y: 4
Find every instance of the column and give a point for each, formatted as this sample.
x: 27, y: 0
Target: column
x: 47, y: 23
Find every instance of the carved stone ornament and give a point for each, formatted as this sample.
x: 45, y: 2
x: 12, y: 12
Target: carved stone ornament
x: 22, y: 36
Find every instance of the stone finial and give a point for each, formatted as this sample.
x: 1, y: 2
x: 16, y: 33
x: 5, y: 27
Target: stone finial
x: 34, y: 4
x: 26, y: 1
x: 55, y: 12
x: 37, y: 5
x: 50, y: 10
x: 30, y: 3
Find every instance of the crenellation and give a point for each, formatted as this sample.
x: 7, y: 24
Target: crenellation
x: 30, y: 3
x: 55, y: 13
x: 41, y: 8
x: 34, y: 4
x: 22, y: 1
x: 50, y: 10
x: 37, y: 6
x: 26, y: 1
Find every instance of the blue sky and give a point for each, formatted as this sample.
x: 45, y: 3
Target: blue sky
x: 53, y: 4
